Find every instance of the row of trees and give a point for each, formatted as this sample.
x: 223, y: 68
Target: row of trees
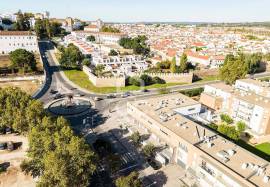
x: 238, y: 66
x: 144, y: 80
x: 109, y: 29
x: 138, y: 44
x: 55, y: 154
x: 171, y: 66
x: 46, y: 29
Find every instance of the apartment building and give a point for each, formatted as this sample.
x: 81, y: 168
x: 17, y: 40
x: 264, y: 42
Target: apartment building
x: 243, y: 102
x: 12, y: 40
x: 213, y: 160
x: 258, y: 87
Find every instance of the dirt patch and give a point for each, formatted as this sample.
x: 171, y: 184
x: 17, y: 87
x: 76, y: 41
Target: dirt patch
x: 29, y: 87
x: 4, y: 61
x: 14, y: 177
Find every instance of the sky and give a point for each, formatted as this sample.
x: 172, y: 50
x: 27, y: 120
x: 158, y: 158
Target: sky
x: 147, y: 10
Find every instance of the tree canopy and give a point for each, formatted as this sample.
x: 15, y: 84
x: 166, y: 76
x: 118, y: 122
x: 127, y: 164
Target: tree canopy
x: 237, y: 67
x: 132, y: 180
x: 22, y: 23
x: 18, y: 111
x: 23, y: 60
x: 55, y: 154
x: 46, y: 29
x: 109, y: 29
x: 71, y: 56
x: 138, y: 44
x: 91, y: 38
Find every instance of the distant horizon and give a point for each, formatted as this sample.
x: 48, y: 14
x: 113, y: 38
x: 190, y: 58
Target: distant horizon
x: 128, y: 11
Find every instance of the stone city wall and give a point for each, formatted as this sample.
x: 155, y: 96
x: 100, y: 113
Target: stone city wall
x: 171, y: 77
x: 104, y: 81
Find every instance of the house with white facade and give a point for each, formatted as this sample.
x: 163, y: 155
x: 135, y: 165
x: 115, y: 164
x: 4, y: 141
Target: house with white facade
x: 12, y: 40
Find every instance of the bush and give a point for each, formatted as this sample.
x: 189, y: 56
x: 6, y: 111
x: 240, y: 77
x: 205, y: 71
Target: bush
x: 158, y: 80
x: 146, y: 79
x: 192, y: 92
x: 226, y: 118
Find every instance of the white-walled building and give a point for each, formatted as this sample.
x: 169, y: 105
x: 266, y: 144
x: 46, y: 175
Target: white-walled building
x: 258, y: 87
x: 242, y: 102
x: 12, y: 40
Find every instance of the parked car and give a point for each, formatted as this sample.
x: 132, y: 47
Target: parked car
x: 153, y: 163
x: 10, y: 146
x: 8, y: 130
x: 110, y: 96
x: 58, y: 96
x: 97, y: 99
x: 3, y: 145
x: 53, y: 91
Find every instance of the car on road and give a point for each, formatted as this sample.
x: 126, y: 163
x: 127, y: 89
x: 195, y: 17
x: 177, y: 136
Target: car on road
x: 53, y: 91
x: 98, y: 99
x: 153, y: 163
x: 8, y: 130
x: 58, y: 96
x: 3, y: 145
x: 10, y: 146
x: 144, y: 90
x: 126, y: 94
x: 111, y: 96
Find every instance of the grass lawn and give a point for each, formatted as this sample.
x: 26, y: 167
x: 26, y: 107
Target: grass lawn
x: 208, y: 78
x: 264, y: 147
x: 81, y: 79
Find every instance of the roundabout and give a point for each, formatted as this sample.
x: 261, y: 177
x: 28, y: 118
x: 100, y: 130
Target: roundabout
x: 69, y: 106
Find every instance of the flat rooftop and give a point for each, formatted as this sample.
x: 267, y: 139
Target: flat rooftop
x: 186, y: 129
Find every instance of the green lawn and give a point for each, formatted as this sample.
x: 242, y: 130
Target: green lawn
x: 208, y: 78
x: 264, y: 147
x: 81, y: 79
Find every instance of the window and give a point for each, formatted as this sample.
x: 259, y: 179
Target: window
x: 191, y: 109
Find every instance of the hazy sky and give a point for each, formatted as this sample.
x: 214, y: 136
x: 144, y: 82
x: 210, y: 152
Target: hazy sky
x: 147, y: 10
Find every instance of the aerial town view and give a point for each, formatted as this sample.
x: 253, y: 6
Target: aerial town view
x: 123, y: 93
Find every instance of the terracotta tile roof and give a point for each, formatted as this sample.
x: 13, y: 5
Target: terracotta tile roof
x: 197, y: 55
x: 16, y: 33
x: 91, y: 26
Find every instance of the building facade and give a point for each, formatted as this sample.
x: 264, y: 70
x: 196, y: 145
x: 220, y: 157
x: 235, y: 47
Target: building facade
x: 211, y: 159
x: 12, y: 40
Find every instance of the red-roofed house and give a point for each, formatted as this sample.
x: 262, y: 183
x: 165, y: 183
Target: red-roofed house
x: 195, y: 57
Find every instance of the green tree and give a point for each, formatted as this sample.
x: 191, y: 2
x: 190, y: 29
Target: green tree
x: 229, y: 131
x: 183, y: 63
x: 23, y: 60
x: 226, y: 118
x: 237, y: 67
x: 99, y: 69
x: 149, y: 150
x: 241, y: 126
x: 138, y: 44
x: 71, y: 57
x: 22, y: 23
x: 113, y: 53
x: 147, y: 80
x: 173, y: 66
x: 132, y: 180
x: 91, y: 38
x: 136, y: 138
x: 86, y: 62
x: 158, y: 80
x: 114, y: 162
x: 109, y: 29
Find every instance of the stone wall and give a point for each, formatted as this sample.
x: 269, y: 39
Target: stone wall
x: 40, y: 78
x: 171, y: 77
x: 104, y: 81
